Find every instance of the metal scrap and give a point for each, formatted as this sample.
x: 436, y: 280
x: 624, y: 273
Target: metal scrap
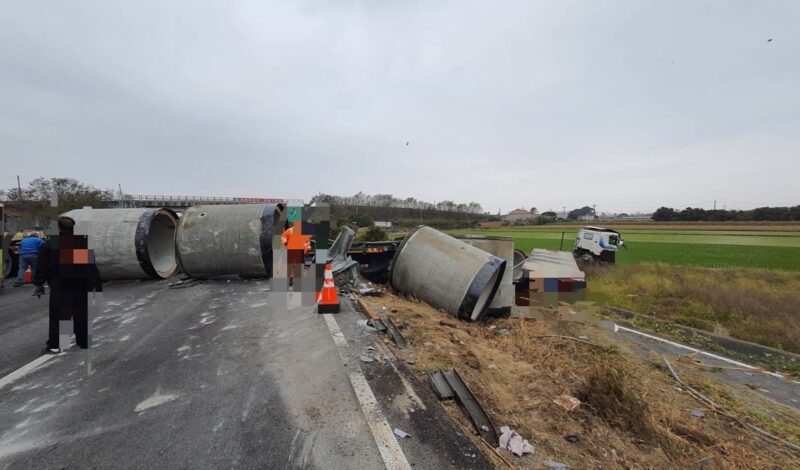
x: 440, y: 386
x: 480, y: 419
x: 337, y: 254
x: 394, y: 333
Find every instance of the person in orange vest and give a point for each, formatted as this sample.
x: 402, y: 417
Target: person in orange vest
x: 297, y: 245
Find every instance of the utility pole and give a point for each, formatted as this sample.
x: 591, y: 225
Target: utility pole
x: 715, y: 205
x: 121, y: 203
x: 564, y: 212
x: 19, y: 187
x: 594, y: 210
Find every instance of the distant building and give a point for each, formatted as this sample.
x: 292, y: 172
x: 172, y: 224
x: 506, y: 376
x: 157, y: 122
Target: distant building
x: 517, y: 214
x: 383, y: 224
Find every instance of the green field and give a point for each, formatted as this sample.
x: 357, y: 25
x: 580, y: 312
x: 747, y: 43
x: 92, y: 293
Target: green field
x: 706, y: 248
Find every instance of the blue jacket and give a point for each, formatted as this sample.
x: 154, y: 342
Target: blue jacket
x: 30, y: 246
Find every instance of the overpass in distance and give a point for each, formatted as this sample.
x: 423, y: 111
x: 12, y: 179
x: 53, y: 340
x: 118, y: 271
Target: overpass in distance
x: 182, y: 202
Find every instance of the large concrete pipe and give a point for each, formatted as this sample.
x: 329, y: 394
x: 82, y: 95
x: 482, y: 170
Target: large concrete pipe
x: 446, y: 273
x: 131, y: 243
x: 222, y: 240
x: 502, y: 247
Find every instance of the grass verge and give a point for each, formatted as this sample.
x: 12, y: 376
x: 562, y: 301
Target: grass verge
x: 760, y: 306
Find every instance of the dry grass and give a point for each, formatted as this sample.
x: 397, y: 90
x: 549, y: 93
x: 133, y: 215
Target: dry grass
x: 761, y: 306
x: 631, y: 414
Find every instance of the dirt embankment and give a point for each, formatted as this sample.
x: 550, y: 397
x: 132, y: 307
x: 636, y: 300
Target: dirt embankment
x: 631, y: 415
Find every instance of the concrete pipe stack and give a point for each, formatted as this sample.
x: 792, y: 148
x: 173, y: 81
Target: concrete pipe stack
x: 130, y: 243
x: 223, y: 240
x: 446, y: 272
x: 502, y: 247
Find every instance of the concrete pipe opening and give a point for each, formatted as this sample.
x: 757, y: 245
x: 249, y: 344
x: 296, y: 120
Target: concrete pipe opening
x: 130, y: 243
x: 159, y: 243
x: 446, y: 272
x: 502, y: 247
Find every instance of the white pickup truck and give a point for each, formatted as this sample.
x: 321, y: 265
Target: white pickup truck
x: 600, y: 242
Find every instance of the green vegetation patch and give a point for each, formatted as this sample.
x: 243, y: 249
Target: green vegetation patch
x: 756, y: 305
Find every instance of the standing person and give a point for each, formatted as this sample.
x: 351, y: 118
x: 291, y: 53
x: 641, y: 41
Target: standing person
x: 67, y: 265
x: 297, y: 245
x: 28, y: 252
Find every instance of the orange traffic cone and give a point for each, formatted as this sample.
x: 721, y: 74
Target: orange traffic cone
x: 328, y: 299
x: 28, y: 275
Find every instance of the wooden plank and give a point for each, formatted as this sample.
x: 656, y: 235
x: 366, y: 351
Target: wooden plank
x: 366, y: 310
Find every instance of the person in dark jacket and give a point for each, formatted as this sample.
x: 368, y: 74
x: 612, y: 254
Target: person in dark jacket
x: 67, y: 265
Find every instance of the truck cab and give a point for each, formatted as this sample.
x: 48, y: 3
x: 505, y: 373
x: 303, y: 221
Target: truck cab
x: 600, y: 242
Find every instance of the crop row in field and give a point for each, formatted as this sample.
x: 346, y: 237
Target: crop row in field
x: 707, y: 253
x: 727, y: 237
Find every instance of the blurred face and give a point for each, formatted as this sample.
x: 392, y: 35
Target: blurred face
x: 66, y: 226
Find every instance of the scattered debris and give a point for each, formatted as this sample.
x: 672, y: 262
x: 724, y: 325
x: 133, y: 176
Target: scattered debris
x: 514, y: 443
x: 378, y: 325
x: 704, y: 399
x: 567, y: 402
x: 184, y: 283
x: 365, y: 358
x: 503, y: 332
x: 555, y: 465
x: 440, y: 386
x: 394, y: 333
x: 366, y: 326
x: 337, y: 254
x: 707, y: 462
x: 579, y: 339
x: 401, y: 434
x: 467, y: 399
x: 698, y: 413
x: 571, y: 438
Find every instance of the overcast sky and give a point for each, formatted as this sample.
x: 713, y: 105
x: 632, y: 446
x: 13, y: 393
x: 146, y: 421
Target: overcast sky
x: 627, y: 105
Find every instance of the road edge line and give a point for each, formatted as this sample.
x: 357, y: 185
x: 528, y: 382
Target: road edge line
x: 391, y: 453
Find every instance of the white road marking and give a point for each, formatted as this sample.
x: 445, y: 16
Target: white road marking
x: 25, y: 370
x: 391, y: 453
x: 155, y: 400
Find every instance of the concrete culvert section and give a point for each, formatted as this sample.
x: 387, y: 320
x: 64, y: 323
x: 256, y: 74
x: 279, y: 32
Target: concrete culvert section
x: 130, y: 243
x: 224, y: 240
x: 502, y: 247
x: 446, y: 272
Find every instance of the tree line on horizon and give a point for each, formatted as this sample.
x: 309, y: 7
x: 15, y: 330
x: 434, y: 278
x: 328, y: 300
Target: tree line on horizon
x: 388, y: 200
x: 696, y: 214
x: 33, y: 200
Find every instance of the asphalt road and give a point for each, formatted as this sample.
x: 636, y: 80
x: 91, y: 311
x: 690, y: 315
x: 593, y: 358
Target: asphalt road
x: 221, y: 374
